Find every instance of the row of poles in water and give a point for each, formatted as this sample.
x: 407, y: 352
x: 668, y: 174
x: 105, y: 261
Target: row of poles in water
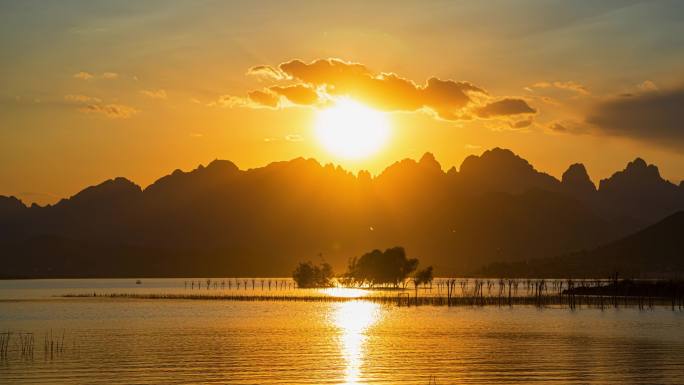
x: 264, y: 284
x: 539, y: 287
x: 476, y: 291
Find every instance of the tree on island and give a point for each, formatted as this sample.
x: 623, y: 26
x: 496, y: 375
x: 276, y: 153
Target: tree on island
x: 389, y: 267
x: 422, y: 277
x: 308, y: 275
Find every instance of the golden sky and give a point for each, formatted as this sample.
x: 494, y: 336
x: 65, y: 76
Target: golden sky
x: 92, y: 90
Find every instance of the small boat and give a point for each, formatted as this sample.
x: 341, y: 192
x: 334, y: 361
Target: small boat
x: 138, y: 282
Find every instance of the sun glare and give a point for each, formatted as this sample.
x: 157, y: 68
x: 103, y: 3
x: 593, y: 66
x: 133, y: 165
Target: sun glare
x: 345, y: 292
x: 351, y: 130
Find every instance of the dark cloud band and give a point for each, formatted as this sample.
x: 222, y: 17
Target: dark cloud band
x: 654, y: 116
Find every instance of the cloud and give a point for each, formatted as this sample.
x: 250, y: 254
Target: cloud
x: 550, y: 101
x: 654, y: 116
x: 271, y: 97
x: 520, y: 123
x: 294, y: 138
x: 505, y: 107
x: 266, y: 72
x: 113, y: 111
x: 297, y: 94
x: 154, y: 94
x: 647, y: 86
x: 264, y: 98
x: 557, y: 127
x: 567, y: 85
x: 447, y: 98
x: 83, y: 75
x: 81, y: 98
x: 90, y: 104
x: 324, y: 80
x: 228, y: 101
x: 333, y: 72
x: 568, y: 127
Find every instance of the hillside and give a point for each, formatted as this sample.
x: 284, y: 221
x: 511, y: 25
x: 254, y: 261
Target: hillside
x: 657, y: 250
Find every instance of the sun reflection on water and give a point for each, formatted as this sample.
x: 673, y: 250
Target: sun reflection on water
x: 353, y: 320
x: 344, y: 292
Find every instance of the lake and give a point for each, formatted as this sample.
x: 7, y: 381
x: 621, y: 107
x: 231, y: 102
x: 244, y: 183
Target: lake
x: 153, y: 341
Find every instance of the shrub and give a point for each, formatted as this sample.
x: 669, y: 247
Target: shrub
x: 308, y: 275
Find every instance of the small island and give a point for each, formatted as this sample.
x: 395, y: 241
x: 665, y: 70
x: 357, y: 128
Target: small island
x: 386, y: 269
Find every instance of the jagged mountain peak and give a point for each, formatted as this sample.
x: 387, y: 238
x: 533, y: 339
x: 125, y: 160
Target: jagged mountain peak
x: 576, y: 182
x: 502, y: 170
x: 638, y: 174
x: 575, y: 171
x: 639, y: 191
x: 10, y: 203
x: 639, y: 166
x: 496, y: 159
x: 216, y: 170
x: 428, y: 160
x: 221, y: 165
x: 115, y: 189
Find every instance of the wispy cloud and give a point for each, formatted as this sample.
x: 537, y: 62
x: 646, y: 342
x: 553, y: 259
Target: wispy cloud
x: 568, y: 126
x: 81, y: 98
x: 83, y: 75
x: 154, y: 94
x: 294, y: 138
x: 112, y: 111
x: 566, y: 85
x: 267, y: 72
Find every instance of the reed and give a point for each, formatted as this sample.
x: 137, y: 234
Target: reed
x: 26, y: 344
x: 4, y: 344
x: 53, y: 344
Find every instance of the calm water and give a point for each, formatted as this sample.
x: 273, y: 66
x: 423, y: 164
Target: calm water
x: 124, y: 341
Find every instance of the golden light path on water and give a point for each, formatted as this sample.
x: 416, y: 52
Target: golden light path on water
x: 344, y: 292
x: 353, y: 320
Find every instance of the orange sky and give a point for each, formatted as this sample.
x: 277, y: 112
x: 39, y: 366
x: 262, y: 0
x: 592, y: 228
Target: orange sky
x: 93, y: 90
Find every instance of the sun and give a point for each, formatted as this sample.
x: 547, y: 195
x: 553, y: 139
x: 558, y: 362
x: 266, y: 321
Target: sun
x: 349, y: 129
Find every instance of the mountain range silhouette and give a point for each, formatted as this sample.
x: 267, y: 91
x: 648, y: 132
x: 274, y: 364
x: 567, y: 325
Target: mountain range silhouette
x: 218, y: 220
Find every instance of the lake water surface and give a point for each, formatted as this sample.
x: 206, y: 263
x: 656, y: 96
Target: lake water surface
x: 153, y: 341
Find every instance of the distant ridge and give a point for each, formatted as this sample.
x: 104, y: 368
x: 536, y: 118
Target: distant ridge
x: 656, y: 251
x: 220, y: 220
